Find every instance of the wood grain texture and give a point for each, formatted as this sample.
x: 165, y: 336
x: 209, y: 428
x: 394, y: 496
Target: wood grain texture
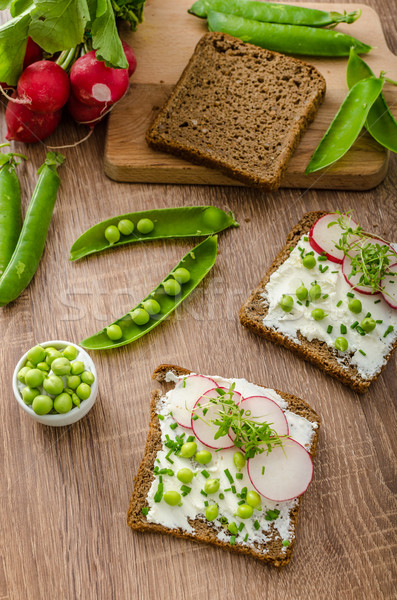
x: 128, y: 157
x: 65, y: 493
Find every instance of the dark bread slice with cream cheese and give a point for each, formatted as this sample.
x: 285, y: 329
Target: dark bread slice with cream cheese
x: 240, y: 109
x: 273, y: 552
x: 317, y: 352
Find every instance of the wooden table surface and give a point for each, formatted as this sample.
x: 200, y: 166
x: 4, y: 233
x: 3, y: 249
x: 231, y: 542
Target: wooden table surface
x: 65, y: 492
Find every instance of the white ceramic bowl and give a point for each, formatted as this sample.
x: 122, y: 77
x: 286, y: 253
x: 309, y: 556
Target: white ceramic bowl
x: 76, y: 413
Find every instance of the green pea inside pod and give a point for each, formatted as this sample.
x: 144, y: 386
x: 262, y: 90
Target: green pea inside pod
x: 172, y: 287
x: 114, y: 332
x: 140, y: 316
x: 151, y: 306
x: 181, y: 275
x: 112, y: 234
x: 145, y: 226
x: 125, y: 226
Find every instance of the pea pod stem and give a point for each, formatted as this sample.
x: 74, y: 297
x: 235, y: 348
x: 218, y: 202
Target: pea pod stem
x: 30, y: 246
x: 291, y: 39
x: 198, y: 261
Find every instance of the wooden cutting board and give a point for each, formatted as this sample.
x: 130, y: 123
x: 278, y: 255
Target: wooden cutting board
x: 163, y: 46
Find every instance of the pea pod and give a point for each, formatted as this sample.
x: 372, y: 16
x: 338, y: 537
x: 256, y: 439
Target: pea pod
x: 292, y: 39
x: 380, y: 122
x: 185, y: 221
x: 271, y: 12
x: 199, y: 261
x: 10, y: 207
x: 347, y: 124
x: 30, y: 246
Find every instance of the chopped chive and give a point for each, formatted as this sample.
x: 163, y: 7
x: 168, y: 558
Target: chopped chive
x: 311, y: 252
x: 191, y: 438
x: 161, y: 417
x: 232, y: 540
x: 325, y: 296
x: 244, y: 492
x: 379, y: 321
x: 367, y: 315
x: 271, y: 515
x: 241, y: 502
x: 221, y: 496
x: 377, y: 301
x: 350, y: 295
x: 334, y: 271
x: 206, y: 503
x: 173, y: 425
x: 286, y: 543
x: 168, y: 457
x: 360, y: 330
x: 299, y: 302
x: 306, y: 238
x: 307, y: 303
x: 233, y: 489
x: 159, y: 494
x: 205, y: 474
x: 329, y: 329
x: 362, y: 352
x: 263, y: 470
x: 227, y: 473
x: 186, y: 489
x: 322, y: 257
x: 241, y: 527
x: 291, y: 248
x: 354, y: 325
x: 246, y: 537
x: 203, y: 493
x: 257, y: 525
x: 339, y: 303
x: 343, y: 328
x: 239, y: 475
x: 388, y: 330
x: 205, y: 410
x: 228, y: 490
x: 301, y: 249
x: 223, y: 520
x: 194, y: 417
x: 145, y: 510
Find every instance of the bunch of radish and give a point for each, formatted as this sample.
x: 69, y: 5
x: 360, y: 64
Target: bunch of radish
x: 44, y: 88
x: 283, y: 474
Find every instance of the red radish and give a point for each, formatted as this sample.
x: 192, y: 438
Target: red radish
x: 96, y: 84
x: 33, y: 53
x: 264, y: 410
x: 44, y: 87
x: 27, y: 126
x: 131, y: 58
x: 203, y: 427
x: 283, y: 474
x: 347, y: 268
x: 84, y: 114
x: 323, y: 238
x: 185, y: 395
x: 390, y: 289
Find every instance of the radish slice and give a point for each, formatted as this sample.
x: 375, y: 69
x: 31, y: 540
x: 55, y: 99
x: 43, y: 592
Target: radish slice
x: 203, y: 427
x: 323, y: 238
x: 185, y: 395
x: 347, y: 269
x: 287, y: 472
x: 264, y: 410
x: 390, y: 289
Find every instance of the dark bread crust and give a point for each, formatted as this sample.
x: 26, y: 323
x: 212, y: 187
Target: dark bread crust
x: 297, y: 90
x: 317, y: 352
x: 273, y: 553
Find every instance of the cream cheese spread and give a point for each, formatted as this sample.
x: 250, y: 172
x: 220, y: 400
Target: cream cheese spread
x: 367, y: 352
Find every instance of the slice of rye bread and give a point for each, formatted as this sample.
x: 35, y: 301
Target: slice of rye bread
x: 240, y: 109
x: 316, y: 351
x: 273, y: 552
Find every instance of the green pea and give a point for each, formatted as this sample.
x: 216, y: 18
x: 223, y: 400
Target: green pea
x: 63, y: 403
x: 73, y: 382
x: 83, y: 391
x: 22, y: 374
x: 172, y: 498
x: 232, y: 527
x: 309, y: 261
x: 145, y: 226
x: 43, y: 366
x: 77, y: 367
x: 76, y: 400
x: 42, y: 404
x: 318, y: 314
x: 53, y: 385
x: 50, y: 350
x: 315, y: 292
x: 34, y: 378
x: 239, y: 460
x: 29, y: 394
x: 151, y: 306
x: 355, y: 305
x: 188, y: 450
x: 368, y: 324
x: 112, y: 234
x: 286, y: 303
x: 185, y: 475
x: 245, y: 511
x: 68, y: 391
x: 70, y: 352
x: 36, y: 354
x: 140, y: 316
x: 172, y: 287
x: 61, y: 366
x: 212, y: 512
x: 181, y: 275
x: 88, y: 377
x: 114, y: 332
x: 53, y: 355
x: 30, y: 365
x: 125, y: 226
x: 213, y: 218
x: 253, y: 499
x: 203, y: 457
x: 211, y: 486
x: 341, y: 344
x: 301, y: 292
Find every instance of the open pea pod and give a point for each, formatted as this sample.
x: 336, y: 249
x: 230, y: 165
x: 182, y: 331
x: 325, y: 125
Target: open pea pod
x: 180, y: 222
x: 198, y: 262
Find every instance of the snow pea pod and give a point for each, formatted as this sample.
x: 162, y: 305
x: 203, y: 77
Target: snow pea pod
x: 30, y: 246
x: 380, y: 122
x: 292, y: 39
x: 185, y: 221
x: 10, y: 206
x: 199, y: 261
x: 347, y: 124
x: 271, y: 12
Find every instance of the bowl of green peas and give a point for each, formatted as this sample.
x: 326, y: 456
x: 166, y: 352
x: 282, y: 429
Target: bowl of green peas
x: 56, y: 383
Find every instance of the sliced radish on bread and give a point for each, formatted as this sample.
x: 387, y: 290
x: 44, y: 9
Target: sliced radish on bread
x: 263, y: 410
x: 347, y: 268
x: 207, y: 412
x: 283, y: 474
x: 323, y: 237
x: 185, y: 395
x: 389, y: 286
